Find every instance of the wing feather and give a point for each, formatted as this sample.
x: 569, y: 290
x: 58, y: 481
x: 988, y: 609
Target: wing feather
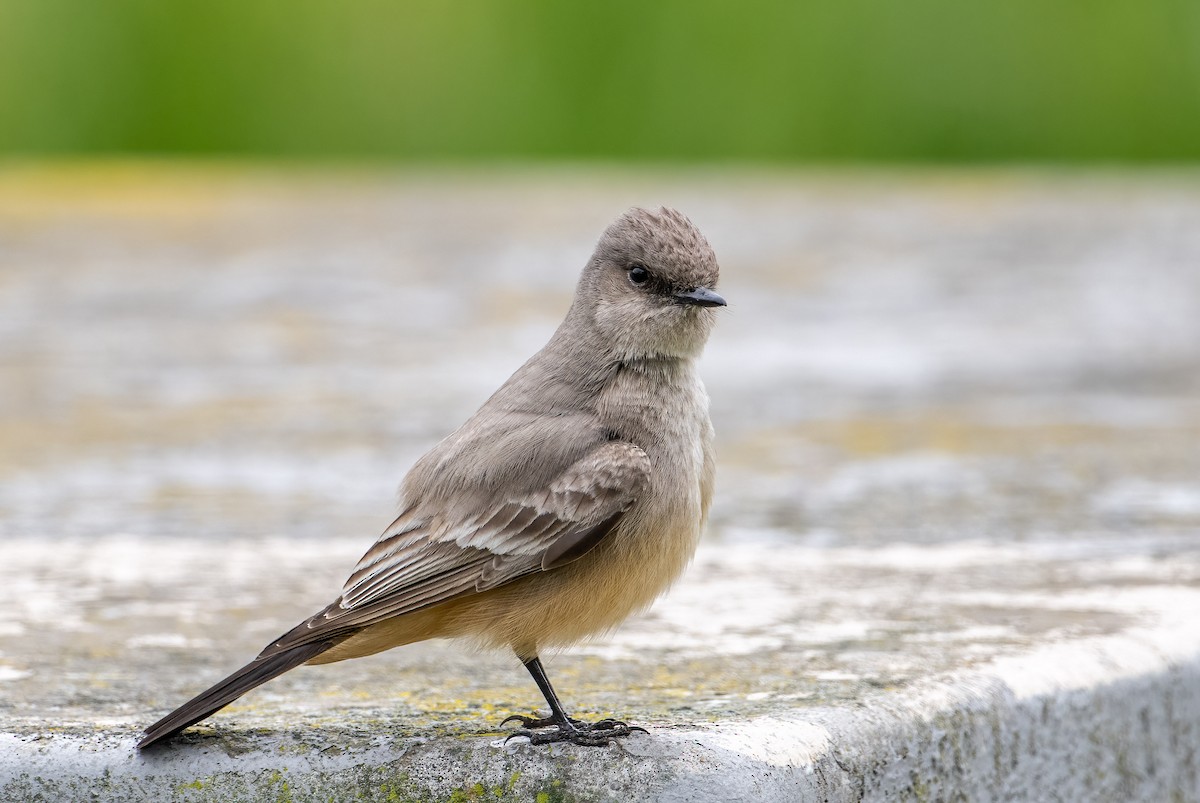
x: 429, y: 556
x: 426, y: 557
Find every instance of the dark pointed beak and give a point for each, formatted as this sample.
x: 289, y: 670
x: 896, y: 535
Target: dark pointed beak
x: 701, y: 297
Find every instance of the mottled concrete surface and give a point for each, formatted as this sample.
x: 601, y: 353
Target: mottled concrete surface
x: 955, y: 552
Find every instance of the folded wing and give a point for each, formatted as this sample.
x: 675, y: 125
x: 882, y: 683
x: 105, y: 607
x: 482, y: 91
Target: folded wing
x: 428, y: 556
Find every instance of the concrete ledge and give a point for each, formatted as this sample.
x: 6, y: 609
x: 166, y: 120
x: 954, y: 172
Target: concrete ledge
x: 974, y: 737
x: 1110, y: 716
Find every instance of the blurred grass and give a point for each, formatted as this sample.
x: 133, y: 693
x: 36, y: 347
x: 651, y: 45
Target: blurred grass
x: 764, y: 80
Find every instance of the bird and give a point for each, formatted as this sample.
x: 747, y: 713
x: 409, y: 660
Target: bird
x: 570, y: 500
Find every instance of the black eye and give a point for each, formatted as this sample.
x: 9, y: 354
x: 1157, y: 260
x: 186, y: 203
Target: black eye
x: 638, y: 274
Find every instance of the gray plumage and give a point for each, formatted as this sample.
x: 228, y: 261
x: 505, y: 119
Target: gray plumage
x: 571, y: 499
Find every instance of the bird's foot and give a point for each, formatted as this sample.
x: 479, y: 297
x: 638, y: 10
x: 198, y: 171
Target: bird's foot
x: 535, y: 722
x: 548, y: 730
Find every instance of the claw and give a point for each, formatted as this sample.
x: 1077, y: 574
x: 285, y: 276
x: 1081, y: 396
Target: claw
x: 611, y: 724
x: 592, y: 734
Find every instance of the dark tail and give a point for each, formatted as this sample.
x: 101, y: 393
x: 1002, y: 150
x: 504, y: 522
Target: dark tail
x: 253, y: 674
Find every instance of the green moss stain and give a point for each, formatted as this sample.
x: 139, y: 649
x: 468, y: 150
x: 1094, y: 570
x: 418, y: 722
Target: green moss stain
x: 478, y: 791
x: 283, y: 792
x: 499, y: 792
x: 556, y: 793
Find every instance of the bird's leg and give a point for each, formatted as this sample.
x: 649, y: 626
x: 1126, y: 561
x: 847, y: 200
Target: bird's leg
x: 557, y: 714
x: 558, y: 727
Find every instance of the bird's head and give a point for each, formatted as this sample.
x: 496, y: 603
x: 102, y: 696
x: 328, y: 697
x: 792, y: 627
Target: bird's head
x: 650, y: 287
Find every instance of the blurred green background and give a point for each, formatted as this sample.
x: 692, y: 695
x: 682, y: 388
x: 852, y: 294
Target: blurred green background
x: 767, y: 80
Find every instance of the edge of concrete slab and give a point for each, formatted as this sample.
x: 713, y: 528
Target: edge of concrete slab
x: 1114, y: 717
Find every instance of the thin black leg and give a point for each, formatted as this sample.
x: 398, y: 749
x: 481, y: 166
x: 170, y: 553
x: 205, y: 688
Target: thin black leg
x: 558, y: 727
x: 534, y: 665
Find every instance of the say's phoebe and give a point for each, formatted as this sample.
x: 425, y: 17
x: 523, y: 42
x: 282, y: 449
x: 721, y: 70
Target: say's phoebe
x: 570, y: 500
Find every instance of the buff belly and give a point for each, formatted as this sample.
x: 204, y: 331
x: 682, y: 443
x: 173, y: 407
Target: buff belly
x: 621, y: 576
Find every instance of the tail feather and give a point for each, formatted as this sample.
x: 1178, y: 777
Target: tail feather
x: 253, y: 674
